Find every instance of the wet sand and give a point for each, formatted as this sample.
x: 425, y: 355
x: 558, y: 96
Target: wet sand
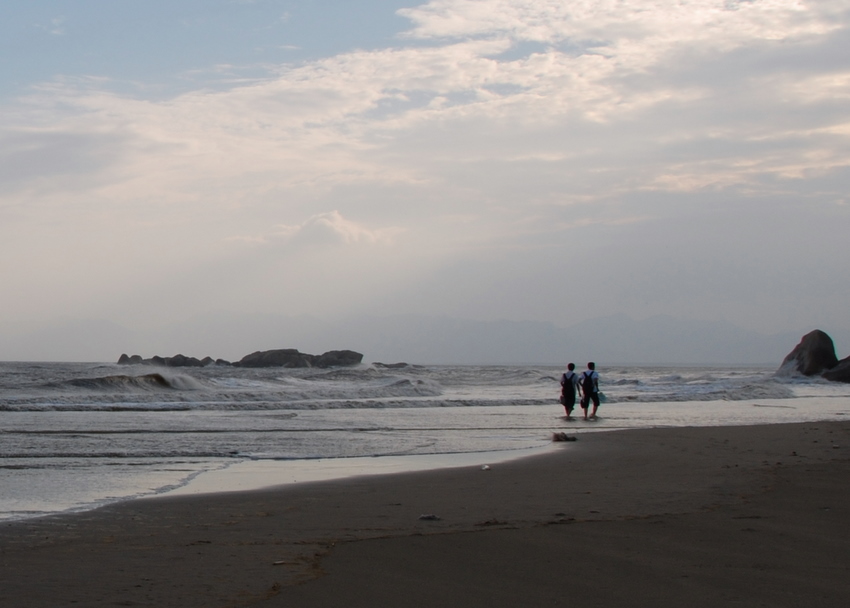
x: 745, y: 516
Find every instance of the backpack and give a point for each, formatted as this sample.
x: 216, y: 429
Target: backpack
x: 587, y: 382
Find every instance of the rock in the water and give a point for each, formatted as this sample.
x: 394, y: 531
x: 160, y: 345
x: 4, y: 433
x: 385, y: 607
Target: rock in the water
x: 134, y: 360
x: 337, y: 358
x: 813, y: 355
x: 839, y: 373
x: 183, y: 361
x: 284, y: 357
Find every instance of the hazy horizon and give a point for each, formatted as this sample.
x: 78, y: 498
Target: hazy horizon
x: 523, y: 161
x: 421, y: 339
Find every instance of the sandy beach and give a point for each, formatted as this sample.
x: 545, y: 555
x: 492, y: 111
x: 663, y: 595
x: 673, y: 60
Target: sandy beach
x: 749, y: 516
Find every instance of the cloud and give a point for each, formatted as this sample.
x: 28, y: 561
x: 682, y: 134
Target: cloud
x: 491, y: 127
x: 55, y: 27
x: 329, y: 228
x: 607, y: 24
x: 352, y: 117
x: 47, y: 160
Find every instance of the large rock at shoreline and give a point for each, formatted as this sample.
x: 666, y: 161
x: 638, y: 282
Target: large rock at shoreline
x: 813, y: 355
x: 839, y: 373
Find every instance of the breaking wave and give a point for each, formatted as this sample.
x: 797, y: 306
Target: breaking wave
x: 708, y: 392
x: 129, y: 383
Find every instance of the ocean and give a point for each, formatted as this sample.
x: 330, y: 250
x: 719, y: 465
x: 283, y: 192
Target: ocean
x: 74, y: 436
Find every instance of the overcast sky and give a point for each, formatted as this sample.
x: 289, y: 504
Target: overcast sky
x: 551, y: 160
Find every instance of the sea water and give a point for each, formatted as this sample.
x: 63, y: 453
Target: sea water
x: 74, y: 436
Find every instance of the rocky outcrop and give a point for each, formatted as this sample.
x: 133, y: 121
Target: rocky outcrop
x: 839, y: 373
x: 337, y: 358
x: 125, y: 359
x: 814, y: 355
x: 290, y: 357
x: 175, y: 361
x: 184, y: 361
x: 286, y: 357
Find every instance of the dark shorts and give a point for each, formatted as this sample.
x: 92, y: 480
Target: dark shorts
x: 585, y: 401
x: 568, y: 400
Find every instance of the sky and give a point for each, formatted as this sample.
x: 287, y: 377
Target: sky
x: 540, y: 160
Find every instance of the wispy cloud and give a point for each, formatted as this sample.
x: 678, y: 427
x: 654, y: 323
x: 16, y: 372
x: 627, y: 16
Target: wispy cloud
x: 324, y: 229
x: 607, y: 64
x: 55, y: 27
x: 506, y: 113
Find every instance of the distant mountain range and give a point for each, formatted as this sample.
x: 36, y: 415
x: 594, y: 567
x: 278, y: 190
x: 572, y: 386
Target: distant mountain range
x: 422, y: 339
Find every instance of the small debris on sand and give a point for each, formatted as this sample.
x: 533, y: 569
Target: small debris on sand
x: 563, y: 437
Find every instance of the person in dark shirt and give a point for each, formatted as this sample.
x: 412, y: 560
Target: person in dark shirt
x: 569, y: 384
x: 589, y: 383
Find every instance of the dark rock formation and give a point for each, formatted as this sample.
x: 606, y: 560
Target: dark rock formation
x: 286, y: 357
x: 839, y: 373
x: 184, y: 361
x: 337, y: 358
x: 813, y: 355
x: 127, y: 360
x: 290, y: 357
x: 399, y: 365
x: 175, y: 361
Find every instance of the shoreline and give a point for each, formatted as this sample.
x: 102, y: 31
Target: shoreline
x: 616, y: 417
x: 694, y: 515
x: 252, y: 475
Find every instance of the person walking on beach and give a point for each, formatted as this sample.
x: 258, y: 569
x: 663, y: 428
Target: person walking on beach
x: 569, y: 383
x: 589, y: 383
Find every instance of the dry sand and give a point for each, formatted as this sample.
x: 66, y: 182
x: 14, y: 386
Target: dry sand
x: 728, y: 516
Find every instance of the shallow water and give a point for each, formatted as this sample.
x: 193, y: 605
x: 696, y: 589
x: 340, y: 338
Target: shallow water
x: 76, y: 436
